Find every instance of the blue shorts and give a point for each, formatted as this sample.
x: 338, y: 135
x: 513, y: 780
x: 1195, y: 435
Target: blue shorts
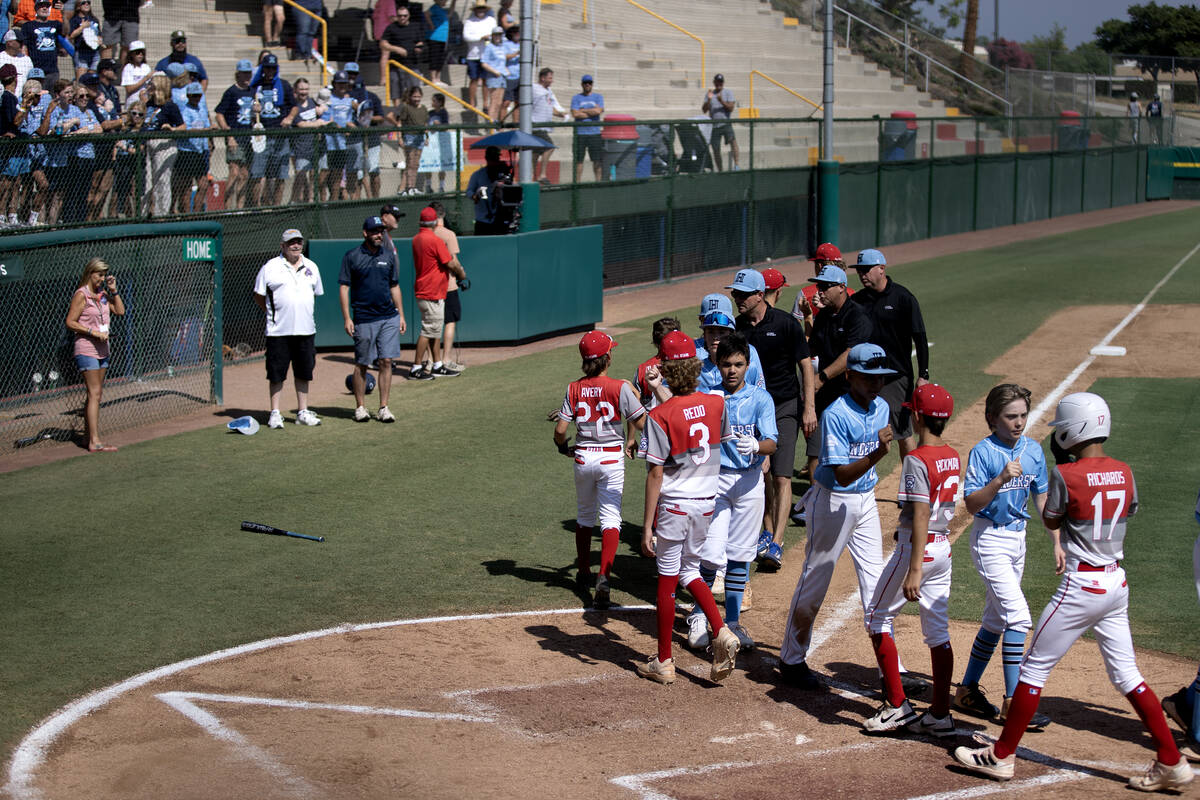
x: 272, y: 162
x: 89, y: 63
x: 85, y: 363
x: 474, y: 70
x: 376, y: 340
x: 510, y: 88
x: 16, y: 166
x: 495, y: 81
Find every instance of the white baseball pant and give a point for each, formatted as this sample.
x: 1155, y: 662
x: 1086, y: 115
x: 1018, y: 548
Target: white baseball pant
x: 999, y: 558
x: 737, y: 518
x: 599, y: 483
x: 835, y: 520
x: 681, y: 527
x: 934, y: 602
x: 1085, y: 599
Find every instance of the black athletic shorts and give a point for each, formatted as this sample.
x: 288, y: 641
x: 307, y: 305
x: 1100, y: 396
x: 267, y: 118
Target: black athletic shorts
x: 894, y: 393
x: 298, y: 351
x: 453, y: 312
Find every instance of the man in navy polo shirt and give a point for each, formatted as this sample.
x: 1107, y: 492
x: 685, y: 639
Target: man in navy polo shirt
x: 369, y: 283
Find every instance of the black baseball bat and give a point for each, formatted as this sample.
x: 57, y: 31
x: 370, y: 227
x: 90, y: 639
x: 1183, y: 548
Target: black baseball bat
x: 258, y: 527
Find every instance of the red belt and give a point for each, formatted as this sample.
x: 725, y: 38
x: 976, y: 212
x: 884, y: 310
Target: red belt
x: 616, y: 448
x: 1113, y: 567
x: 930, y: 538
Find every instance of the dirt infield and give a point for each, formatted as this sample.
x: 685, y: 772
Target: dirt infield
x: 546, y: 703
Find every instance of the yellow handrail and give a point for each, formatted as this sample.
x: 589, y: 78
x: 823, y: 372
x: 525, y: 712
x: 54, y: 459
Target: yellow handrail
x: 387, y: 88
x: 765, y: 76
x: 660, y: 18
x: 324, y: 34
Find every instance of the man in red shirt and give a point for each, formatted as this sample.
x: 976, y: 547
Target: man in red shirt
x: 434, y: 265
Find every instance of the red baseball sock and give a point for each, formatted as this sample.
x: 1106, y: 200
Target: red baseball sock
x: 704, y: 599
x: 1021, y: 709
x: 1146, y: 705
x: 583, y: 548
x: 609, y: 538
x: 942, y: 658
x: 666, y: 614
x: 889, y: 664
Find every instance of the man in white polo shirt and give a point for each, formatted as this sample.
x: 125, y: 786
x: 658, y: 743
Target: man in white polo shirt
x: 284, y: 289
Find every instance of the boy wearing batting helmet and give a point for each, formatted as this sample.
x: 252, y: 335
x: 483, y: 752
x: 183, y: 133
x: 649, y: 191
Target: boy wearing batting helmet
x: 597, y: 404
x: 1091, y: 497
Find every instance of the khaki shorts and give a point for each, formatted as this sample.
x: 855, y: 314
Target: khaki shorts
x: 433, y: 315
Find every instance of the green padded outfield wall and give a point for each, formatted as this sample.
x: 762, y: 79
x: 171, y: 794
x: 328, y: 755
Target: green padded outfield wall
x: 953, y: 195
x: 522, y: 286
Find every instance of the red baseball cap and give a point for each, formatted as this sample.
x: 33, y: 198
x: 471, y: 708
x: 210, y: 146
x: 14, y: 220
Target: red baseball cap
x: 595, y: 343
x: 677, y: 345
x: 774, y: 279
x: 931, y: 400
x: 428, y: 215
x: 827, y: 252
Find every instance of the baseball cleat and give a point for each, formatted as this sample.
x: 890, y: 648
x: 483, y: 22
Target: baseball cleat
x: 773, y: 559
x: 420, y: 374
x: 745, y: 643
x: 1036, y: 723
x: 725, y: 647
x: 1177, y: 707
x: 764, y: 541
x: 914, y: 687
x: 984, y: 761
x: 444, y: 372
x: 1159, y: 776
x: 1190, y: 750
x: 275, y: 420
x: 361, y: 414
x: 718, y: 586
x: 601, y: 600
x: 658, y: 671
x: 970, y: 699
x: 929, y: 725
x: 697, y: 630
x: 890, y: 718
x: 799, y: 675
x: 385, y: 415
x: 747, y: 602
x: 797, y: 514
x: 307, y: 417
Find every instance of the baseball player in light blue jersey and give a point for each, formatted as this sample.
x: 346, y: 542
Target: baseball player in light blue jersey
x: 841, y: 509
x: 733, y: 531
x: 1003, y: 471
x: 715, y: 326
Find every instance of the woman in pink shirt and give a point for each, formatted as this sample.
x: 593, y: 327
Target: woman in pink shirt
x: 92, y: 305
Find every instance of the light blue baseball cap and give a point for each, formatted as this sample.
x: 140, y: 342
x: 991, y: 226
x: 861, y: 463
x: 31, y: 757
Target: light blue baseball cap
x: 830, y: 274
x: 351, y: 66
x: 868, y: 359
x: 175, y: 69
x: 748, y: 280
x: 195, y: 88
x: 36, y: 72
x: 870, y: 258
x: 716, y: 302
x: 245, y: 65
x: 244, y: 425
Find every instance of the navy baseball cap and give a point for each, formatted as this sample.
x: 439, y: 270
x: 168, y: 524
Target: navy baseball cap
x: 830, y: 274
x: 269, y: 60
x: 717, y: 319
x: 868, y: 359
x: 351, y: 66
x: 89, y: 79
x: 586, y: 79
x: 870, y: 258
x: 373, y: 223
x: 341, y: 77
x: 748, y: 280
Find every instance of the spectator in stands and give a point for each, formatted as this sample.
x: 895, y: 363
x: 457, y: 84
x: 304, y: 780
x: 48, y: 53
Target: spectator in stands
x: 27, y: 11
x: 495, y: 67
x: 370, y: 116
x: 161, y: 115
x: 43, y: 36
x: 477, y: 32
x: 135, y: 74
x: 307, y: 28
x: 106, y: 71
x: 180, y: 55
x: 402, y: 42
x: 82, y: 29
x: 588, y: 106
x: 272, y: 23
x: 306, y: 113
x: 125, y: 161
x: 340, y: 113
x: 414, y: 117
x: 191, y: 165
x: 10, y: 117
x: 56, y: 122
x: 34, y: 185
x: 269, y: 169
x: 442, y: 141
x: 94, y: 302
x: 108, y: 115
x: 236, y: 112
x: 178, y: 76
x: 512, y: 60
x: 718, y: 104
x: 544, y: 108
x: 437, y: 17
x: 504, y: 16
x: 121, y: 22
x: 14, y: 54
x: 82, y: 164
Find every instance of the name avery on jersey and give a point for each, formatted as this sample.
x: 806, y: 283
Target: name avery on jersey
x: 693, y: 412
x: 591, y: 391
x: 1106, y: 478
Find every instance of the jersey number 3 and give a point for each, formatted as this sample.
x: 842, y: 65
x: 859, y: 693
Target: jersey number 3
x: 698, y: 440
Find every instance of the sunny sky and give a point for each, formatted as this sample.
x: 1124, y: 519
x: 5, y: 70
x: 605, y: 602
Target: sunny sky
x: 1023, y: 19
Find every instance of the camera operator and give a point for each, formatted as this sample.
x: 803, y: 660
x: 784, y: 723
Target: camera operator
x: 491, y: 218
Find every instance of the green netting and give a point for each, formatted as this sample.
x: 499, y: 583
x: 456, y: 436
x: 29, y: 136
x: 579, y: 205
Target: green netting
x: 953, y: 195
x: 858, y: 186
x: 1125, y: 176
x: 903, y: 202
x: 1160, y: 170
x: 1066, y: 184
x: 994, y: 193
x: 1097, y: 180
x: 709, y: 237
x: 1033, y: 188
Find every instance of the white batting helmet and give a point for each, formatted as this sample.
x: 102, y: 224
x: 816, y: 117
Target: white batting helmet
x: 1081, y: 416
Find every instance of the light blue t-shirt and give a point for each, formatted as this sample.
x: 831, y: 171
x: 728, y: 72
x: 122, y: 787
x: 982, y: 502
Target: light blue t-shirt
x: 751, y: 412
x: 849, y: 432
x: 987, y: 460
x: 710, y: 373
x: 194, y: 118
x: 495, y: 57
x: 339, y: 110
x: 512, y: 56
x: 584, y: 101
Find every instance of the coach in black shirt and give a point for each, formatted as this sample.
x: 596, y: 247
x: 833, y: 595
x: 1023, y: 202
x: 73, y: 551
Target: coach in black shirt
x: 897, y: 327
x: 781, y: 346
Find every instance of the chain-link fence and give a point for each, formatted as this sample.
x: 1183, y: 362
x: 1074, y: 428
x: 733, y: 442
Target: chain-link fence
x: 1038, y: 93
x: 165, y: 351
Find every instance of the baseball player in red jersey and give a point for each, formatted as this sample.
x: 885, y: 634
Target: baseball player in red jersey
x: 1089, y: 501
x: 683, y: 448
x: 920, y: 569
x: 660, y: 329
x: 597, y: 404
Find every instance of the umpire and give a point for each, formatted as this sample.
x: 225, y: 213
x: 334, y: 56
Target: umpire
x: 899, y: 328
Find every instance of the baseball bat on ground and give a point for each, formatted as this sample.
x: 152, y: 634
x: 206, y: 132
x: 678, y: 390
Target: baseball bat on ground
x: 258, y: 527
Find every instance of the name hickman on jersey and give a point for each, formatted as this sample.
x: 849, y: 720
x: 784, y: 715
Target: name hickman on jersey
x: 947, y: 464
x: 1106, y: 478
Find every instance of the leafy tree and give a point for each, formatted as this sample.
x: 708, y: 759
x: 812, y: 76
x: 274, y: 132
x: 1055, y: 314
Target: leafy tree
x: 1047, y: 50
x: 1005, y: 53
x: 1152, y: 32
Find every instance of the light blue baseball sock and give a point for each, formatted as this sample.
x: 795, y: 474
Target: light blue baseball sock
x: 981, y: 654
x: 708, y: 574
x: 1193, y: 695
x: 736, y: 575
x: 1012, y: 652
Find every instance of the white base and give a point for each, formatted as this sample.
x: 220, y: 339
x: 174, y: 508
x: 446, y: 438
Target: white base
x: 1108, y: 350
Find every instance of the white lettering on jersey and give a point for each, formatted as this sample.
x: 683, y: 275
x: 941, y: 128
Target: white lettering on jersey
x: 591, y: 391
x: 1106, y: 478
x: 947, y: 465
x: 693, y: 412
x: 860, y: 449
x: 1019, y: 482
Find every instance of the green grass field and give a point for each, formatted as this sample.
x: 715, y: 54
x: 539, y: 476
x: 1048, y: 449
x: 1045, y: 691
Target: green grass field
x: 113, y: 566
